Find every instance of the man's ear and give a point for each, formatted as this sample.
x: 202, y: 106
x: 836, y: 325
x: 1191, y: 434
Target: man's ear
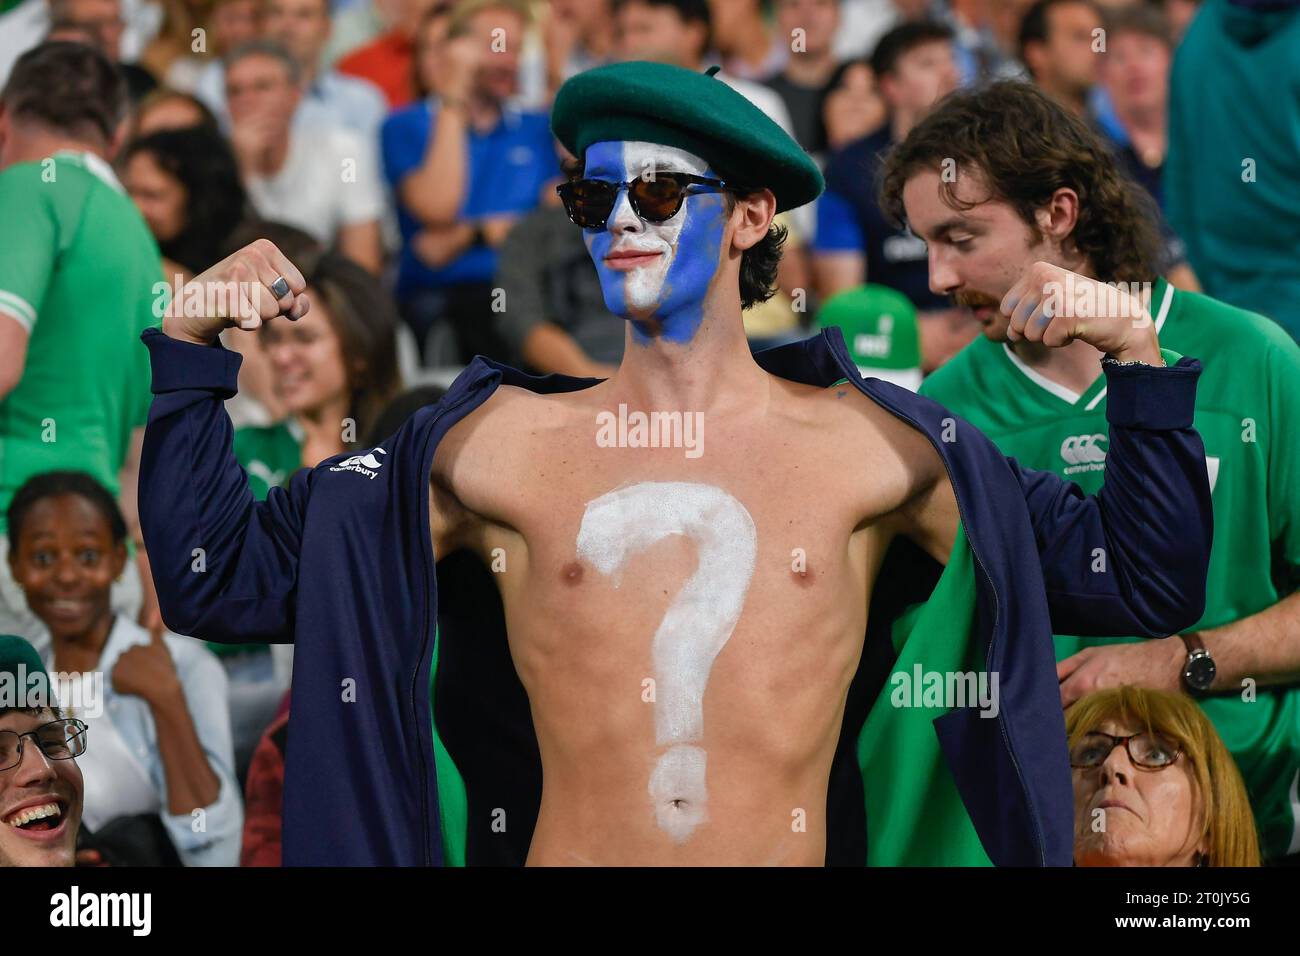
x: 753, y: 215
x: 1057, y: 219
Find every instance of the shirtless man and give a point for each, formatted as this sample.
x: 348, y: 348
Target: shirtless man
x: 686, y: 631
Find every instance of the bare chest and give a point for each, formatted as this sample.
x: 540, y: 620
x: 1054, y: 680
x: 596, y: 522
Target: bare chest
x: 602, y: 548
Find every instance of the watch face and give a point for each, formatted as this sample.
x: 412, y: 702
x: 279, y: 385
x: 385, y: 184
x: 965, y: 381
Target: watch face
x: 1200, y: 672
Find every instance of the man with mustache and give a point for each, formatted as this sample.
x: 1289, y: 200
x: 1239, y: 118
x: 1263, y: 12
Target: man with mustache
x: 1033, y: 184
x: 701, y: 640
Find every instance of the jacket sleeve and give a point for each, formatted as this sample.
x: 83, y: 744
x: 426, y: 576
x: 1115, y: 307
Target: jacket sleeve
x: 1133, y: 559
x: 224, y: 564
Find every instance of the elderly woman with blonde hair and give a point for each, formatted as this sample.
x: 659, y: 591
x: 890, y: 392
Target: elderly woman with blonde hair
x: 1154, y: 785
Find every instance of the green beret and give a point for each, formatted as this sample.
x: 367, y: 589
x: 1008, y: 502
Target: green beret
x: 18, y: 663
x: 672, y: 106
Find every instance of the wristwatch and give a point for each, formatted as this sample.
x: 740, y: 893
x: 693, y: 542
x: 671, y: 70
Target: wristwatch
x: 1199, y: 671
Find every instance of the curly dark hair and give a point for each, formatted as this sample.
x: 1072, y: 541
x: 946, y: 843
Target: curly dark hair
x: 1025, y: 147
x: 215, y: 201
x: 55, y: 484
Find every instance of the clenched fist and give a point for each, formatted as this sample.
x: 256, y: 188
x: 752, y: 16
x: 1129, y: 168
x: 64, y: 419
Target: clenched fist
x: 1055, y: 306
x: 147, y: 670
x: 255, y: 284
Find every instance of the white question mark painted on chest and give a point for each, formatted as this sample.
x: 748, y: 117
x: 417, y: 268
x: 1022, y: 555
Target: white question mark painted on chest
x: 618, y: 525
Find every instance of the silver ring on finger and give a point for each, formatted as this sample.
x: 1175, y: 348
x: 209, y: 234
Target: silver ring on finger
x: 280, y: 287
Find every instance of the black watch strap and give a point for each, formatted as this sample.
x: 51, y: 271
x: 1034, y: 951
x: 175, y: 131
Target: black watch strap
x: 1200, y: 669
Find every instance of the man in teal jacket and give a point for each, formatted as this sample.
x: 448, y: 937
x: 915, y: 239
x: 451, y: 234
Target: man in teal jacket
x: 1231, y: 184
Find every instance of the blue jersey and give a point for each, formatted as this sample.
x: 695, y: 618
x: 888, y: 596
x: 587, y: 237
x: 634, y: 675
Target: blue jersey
x: 508, y: 166
x: 849, y: 219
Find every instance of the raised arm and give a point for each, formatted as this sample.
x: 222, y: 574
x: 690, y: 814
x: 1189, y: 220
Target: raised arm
x: 1132, y: 559
x: 225, y: 566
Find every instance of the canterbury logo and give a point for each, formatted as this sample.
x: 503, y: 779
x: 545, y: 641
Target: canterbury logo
x: 365, y: 464
x: 368, y: 460
x: 1083, y: 449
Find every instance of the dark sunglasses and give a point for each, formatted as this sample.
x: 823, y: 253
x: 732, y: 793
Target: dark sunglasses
x: 590, y: 201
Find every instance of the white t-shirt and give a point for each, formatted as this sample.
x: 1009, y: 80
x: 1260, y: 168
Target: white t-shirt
x: 862, y: 24
x: 21, y: 28
x: 330, y: 179
x: 122, y: 768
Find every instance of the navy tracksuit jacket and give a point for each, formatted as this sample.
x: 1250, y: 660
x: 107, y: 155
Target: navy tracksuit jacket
x: 340, y: 563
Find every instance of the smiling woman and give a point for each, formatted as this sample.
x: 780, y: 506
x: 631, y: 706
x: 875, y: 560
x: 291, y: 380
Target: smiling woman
x: 162, y: 737
x: 1154, y: 785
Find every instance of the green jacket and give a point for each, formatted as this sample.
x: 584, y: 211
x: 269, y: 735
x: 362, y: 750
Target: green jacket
x: 1231, y: 189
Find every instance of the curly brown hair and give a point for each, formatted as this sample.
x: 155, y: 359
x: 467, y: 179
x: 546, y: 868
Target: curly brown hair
x: 1026, y: 146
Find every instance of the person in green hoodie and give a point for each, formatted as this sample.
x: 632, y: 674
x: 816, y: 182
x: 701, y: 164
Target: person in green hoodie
x: 1231, y: 188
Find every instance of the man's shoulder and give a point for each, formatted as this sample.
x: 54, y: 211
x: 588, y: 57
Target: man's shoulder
x: 1201, y: 326
x: 28, y: 172
x: 66, y: 190
x: 58, y: 180
x: 514, y: 417
x: 24, y: 191
x: 958, y: 379
x: 849, y: 418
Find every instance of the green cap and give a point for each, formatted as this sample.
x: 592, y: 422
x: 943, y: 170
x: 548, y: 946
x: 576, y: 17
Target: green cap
x: 672, y: 106
x: 879, y: 326
x: 19, y: 662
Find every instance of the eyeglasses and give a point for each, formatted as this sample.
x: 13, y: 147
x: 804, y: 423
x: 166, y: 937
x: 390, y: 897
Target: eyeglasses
x: 1149, y: 751
x: 59, y: 740
x: 590, y: 201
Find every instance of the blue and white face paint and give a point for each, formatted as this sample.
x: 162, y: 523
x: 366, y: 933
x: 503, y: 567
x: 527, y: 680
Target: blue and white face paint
x: 656, y: 274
